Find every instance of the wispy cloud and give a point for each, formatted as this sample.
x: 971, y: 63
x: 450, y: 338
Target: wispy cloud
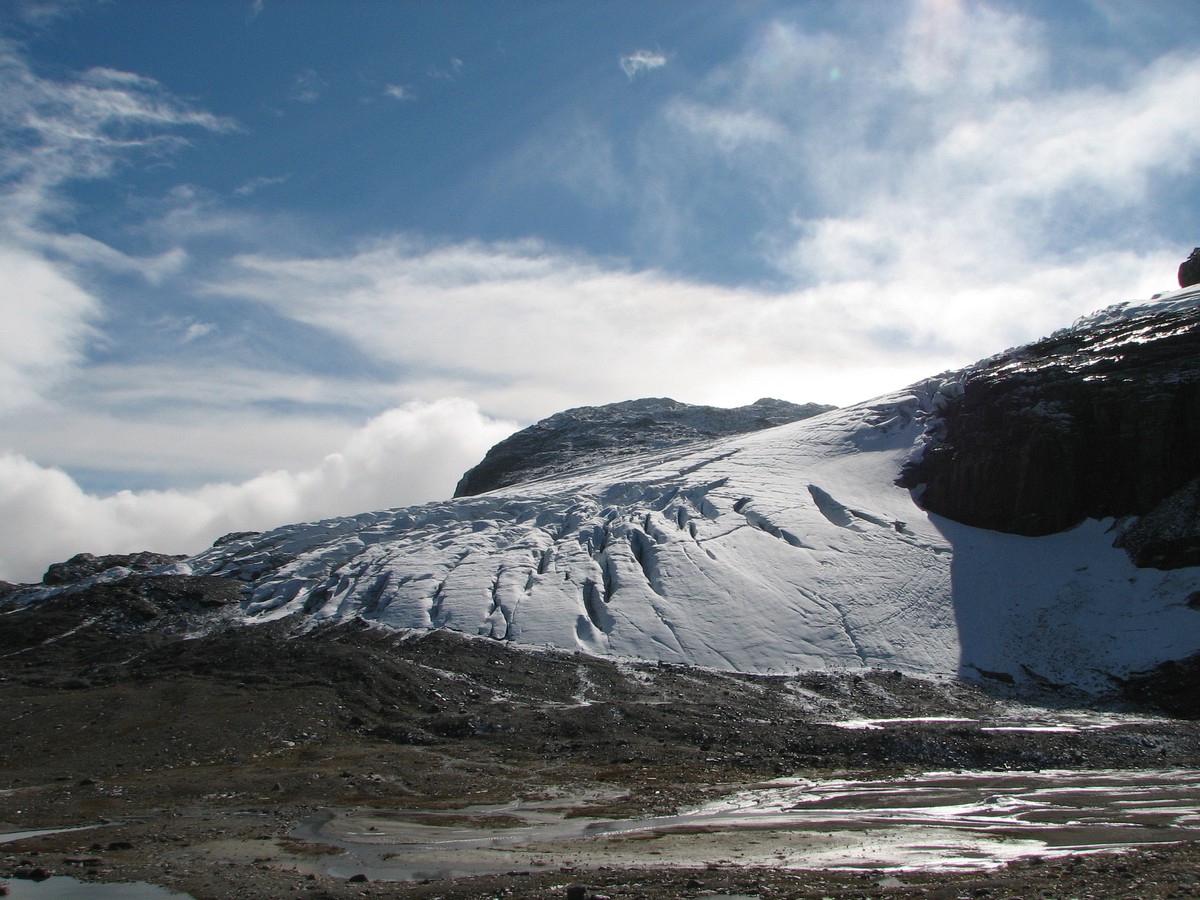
x: 41, y: 13
x: 448, y: 72
x: 254, y: 185
x: 256, y: 9
x: 53, y: 132
x: 642, y: 61
x: 197, y: 330
x: 307, y: 87
x: 47, y: 322
x: 400, y: 92
x: 81, y: 128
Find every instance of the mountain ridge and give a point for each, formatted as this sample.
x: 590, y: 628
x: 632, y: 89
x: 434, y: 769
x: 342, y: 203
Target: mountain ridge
x: 820, y: 544
x: 587, y: 435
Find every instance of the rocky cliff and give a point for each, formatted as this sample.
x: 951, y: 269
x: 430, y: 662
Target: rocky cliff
x: 1099, y: 420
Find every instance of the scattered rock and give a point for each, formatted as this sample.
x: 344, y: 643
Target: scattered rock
x: 234, y: 536
x: 30, y: 873
x: 1168, y: 536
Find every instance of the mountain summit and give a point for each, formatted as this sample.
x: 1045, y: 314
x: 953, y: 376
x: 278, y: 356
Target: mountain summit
x: 591, y: 435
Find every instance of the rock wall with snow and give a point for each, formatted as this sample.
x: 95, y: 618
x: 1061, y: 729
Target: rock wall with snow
x: 1099, y: 420
x: 590, y: 435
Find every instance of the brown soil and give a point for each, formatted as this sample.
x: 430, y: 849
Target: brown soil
x: 195, y: 760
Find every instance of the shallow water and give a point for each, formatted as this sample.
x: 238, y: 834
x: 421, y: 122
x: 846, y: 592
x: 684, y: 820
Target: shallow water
x: 936, y: 820
x: 9, y: 836
x: 61, y: 888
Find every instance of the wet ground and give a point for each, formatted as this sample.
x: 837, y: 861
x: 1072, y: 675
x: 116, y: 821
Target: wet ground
x: 929, y: 821
x: 351, y: 762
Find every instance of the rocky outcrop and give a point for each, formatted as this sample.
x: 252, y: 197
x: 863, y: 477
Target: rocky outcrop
x: 1189, y: 270
x: 84, y: 565
x: 1167, y: 537
x: 579, y: 437
x: 1096, y: 421
x: 166, y: 604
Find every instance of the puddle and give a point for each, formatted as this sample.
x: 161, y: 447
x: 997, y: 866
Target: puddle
x: 937, y: 820
x: 1047, y: 721
x: 880, y: 724
x: 62, y: 888
x: 10, y: 836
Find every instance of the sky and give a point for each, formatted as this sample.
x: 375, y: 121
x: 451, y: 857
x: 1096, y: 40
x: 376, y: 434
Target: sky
x: 264, y: 262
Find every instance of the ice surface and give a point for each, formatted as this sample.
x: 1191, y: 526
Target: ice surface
x: 782, y: 550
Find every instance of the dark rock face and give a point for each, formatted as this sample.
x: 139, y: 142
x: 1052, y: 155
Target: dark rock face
x: 1169, y: 687
x: 1189, y: 270
x: 1093, y: 422
x: 84, y: 565
x: 592, y: 434
x: 234, y: 536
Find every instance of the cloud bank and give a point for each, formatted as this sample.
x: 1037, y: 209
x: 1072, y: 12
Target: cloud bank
x: 406, y: 455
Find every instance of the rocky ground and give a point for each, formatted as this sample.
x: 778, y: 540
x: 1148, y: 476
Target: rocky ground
x: 191, y: 761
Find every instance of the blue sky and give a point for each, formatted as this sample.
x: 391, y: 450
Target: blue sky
x: 268, y: 261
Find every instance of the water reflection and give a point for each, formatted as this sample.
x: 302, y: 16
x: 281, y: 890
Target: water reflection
x: 937, y: 820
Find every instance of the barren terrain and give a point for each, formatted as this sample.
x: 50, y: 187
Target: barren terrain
x: 257, y: 762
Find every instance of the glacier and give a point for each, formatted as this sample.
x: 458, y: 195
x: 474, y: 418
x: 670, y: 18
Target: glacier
x: 783, y: 550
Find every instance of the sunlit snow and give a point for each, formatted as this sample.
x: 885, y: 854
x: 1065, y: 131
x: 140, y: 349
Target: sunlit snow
x: 781, y: 550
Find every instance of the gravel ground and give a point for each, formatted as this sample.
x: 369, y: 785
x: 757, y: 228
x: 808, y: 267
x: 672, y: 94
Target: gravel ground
x: 194, y: 763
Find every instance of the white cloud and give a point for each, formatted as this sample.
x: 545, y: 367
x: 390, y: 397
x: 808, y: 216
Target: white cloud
x: 641, y: 61
x: 307, y: 86
x: 952, y: 48
x: 47, y: 322
x: 944, y: 146
x: 400, y: 92
x: 254, y: 185
x: 527, y: 331
x: 404, y: 456
x: 453, y: 68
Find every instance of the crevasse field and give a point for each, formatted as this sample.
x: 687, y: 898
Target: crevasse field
x: 782, y: 550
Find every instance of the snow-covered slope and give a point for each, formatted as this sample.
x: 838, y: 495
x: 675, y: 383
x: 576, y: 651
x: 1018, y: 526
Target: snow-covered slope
x: 596, y: 434
x: 786, y: 549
